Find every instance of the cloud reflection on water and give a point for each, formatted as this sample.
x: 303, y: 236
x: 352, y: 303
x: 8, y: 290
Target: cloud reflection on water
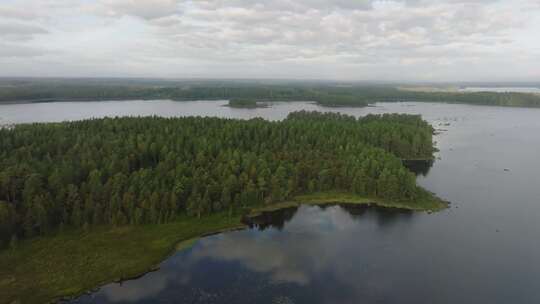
x: 318, y: 249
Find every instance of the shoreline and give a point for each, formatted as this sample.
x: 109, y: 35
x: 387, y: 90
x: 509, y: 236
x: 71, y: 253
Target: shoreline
x: 102, y: 250
x: 324, y: 105
x: 248, y: 220
x: 245, y: 223
x: 341, y: 198
x: 178, y: 246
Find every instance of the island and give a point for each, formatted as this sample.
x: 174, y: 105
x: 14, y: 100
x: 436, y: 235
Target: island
x: 246, y: 103
x: 88, y: 202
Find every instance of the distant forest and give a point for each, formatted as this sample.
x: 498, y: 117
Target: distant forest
x: 118, y: 171
x: 322, y: 93
x: 245, y: 103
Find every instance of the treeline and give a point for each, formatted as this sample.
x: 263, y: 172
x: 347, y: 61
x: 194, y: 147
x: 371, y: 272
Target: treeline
x: 508, y: 99
x: 255, y: 93
x: 118, y: 171
x: 327, y: 95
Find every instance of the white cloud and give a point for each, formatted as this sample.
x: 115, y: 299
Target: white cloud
x: 17, y: 13
x: 370, y: 39
x: 14, y: 31
x: 14, y: 50
x: 144, y: 9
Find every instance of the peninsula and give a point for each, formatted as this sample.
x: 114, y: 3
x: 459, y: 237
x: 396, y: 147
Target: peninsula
x: 88, y: 202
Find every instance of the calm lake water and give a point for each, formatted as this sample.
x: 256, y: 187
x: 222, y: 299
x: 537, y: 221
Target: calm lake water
x: 484, y: 249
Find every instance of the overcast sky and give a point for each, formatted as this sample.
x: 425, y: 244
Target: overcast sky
x: 414, y: 40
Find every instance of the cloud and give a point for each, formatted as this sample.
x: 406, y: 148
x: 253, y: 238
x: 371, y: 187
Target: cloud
x: 278, y: 34
x: 143, y: 9
x: 14, y: 50
x: 283, y: 256
x: 14, y: 31
x: 288, y: 5
x: 370, y: 39
x: 313, y: 248
x: 17, y: 13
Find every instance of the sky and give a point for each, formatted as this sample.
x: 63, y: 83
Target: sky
x: 400, y: 40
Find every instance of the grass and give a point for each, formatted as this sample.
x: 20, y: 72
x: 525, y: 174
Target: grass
x: 427, y: 202
x: 71, y: 263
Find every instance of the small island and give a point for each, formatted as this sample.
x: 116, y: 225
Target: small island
x: 89, y: 202
x: 246, y: 104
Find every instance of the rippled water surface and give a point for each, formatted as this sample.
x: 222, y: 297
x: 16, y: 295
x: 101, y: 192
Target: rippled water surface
x: 484, y: 249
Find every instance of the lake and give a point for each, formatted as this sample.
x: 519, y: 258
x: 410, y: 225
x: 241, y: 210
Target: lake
x: 484, y: 249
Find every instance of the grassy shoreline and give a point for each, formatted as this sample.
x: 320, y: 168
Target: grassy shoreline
x: 428, y: 203
x: 71, y: 263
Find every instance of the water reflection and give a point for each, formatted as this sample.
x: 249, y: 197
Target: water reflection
x: 308, y: 248
x: 271, y: 219
x: 136, y: 290
x: 419, y: 167
x: 278, y: 219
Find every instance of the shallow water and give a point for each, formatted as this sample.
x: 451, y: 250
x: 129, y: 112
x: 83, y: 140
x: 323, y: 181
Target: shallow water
x: 484, y: 249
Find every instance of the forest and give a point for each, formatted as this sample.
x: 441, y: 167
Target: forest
x: 245, y: 103
x: 120, y: 171
x: 325, y: 94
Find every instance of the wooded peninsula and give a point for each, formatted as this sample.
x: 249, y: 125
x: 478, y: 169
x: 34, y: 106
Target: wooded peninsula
x: 86, y: 202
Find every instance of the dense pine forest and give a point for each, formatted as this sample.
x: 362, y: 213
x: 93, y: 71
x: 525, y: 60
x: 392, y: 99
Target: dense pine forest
x: 332, y: 95
x: 118, y: 171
